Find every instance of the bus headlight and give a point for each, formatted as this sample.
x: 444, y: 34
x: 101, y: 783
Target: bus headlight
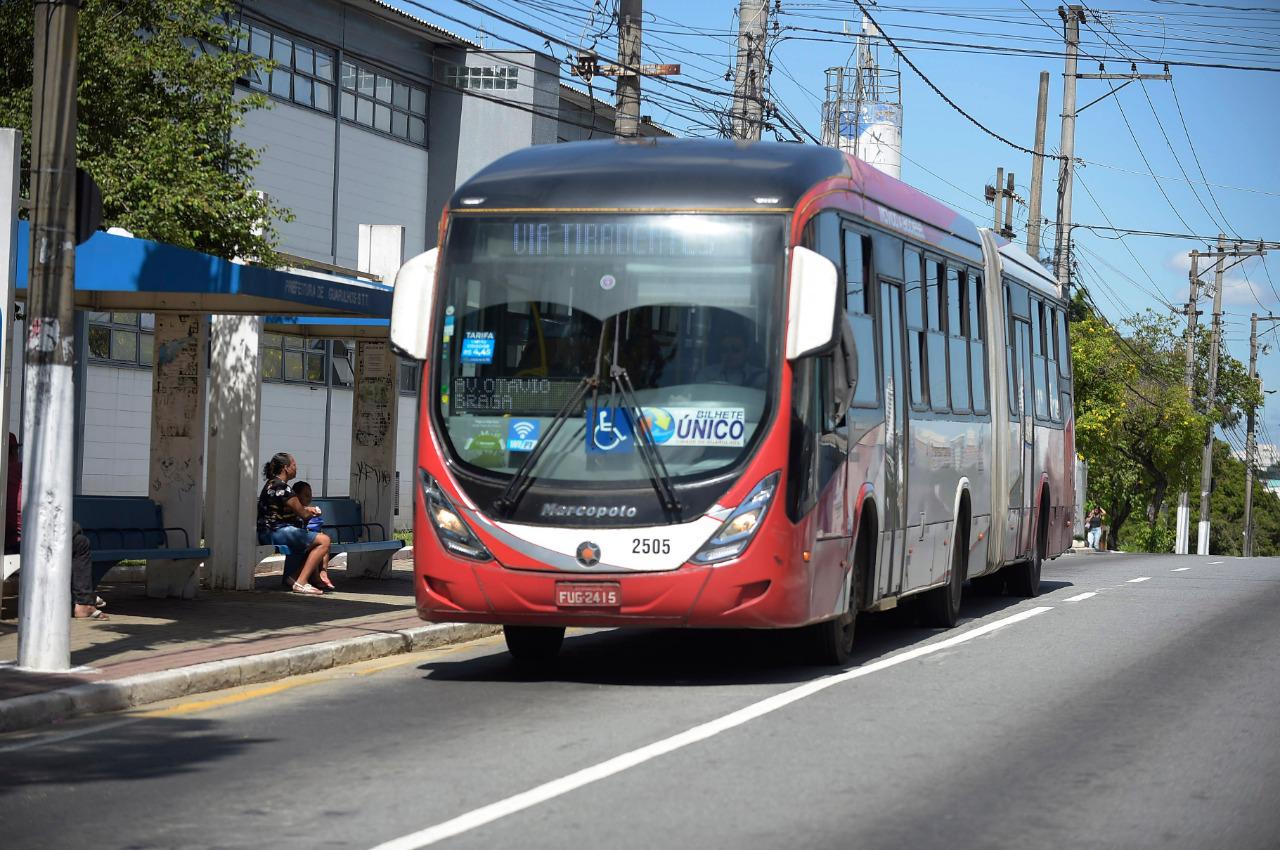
x: 455, y: 535
x: 732, y: 538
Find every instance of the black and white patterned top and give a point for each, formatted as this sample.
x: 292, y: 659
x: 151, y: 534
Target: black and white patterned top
x: 273, y: 510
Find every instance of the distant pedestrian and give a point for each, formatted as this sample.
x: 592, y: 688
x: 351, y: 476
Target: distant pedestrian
x: 282, y: 521
x: 1093, y: 522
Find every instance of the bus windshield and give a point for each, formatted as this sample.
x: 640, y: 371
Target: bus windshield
x: 689, y: 305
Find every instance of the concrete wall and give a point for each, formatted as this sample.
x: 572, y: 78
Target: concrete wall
x: 380, y: 181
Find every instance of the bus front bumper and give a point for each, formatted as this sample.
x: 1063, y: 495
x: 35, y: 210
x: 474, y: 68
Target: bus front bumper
x: 753, y: 592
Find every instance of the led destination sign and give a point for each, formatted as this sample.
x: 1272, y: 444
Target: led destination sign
x: 673, y: 236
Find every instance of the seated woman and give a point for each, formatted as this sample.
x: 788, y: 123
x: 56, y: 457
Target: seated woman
x: 282, y: 521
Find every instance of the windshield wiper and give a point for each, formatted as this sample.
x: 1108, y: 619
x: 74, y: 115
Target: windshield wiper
x: 659, y: 477
x: 523, y: 478
x: 619, y: 384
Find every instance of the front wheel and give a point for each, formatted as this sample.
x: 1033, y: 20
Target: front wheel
x: 533, y: 645
x: 831, y: 641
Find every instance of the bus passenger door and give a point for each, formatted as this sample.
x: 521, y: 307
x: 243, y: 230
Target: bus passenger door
x: 1026, y: 431
x: 893, y: 499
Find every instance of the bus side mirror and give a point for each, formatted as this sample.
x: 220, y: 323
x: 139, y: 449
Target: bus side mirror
x: 411, y: 305
x: 811, y: 310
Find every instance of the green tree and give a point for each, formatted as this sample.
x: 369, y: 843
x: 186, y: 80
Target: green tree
x: 1135, y: 424
x: 157, y: 106
x: 1226, y: 509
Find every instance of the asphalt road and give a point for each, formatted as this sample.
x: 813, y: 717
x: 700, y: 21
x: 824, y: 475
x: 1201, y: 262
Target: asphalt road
x: 1145, y: 715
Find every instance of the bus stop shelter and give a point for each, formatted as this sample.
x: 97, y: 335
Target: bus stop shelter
x: 205, y: 413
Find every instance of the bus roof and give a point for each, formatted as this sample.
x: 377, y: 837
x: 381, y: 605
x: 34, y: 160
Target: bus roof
x: 657, y: 174
x: 697, y: 174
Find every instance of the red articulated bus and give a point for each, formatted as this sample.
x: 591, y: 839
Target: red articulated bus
x: 709, y: 384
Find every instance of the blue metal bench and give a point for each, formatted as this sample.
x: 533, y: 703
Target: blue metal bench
x: 122, y: 528
x: 344, y: 522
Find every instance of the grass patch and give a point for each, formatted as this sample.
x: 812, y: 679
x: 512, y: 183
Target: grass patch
x: 406, y: 536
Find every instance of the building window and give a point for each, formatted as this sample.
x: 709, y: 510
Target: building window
x: 302, y: 72
x: 126, y: 339
x: 292, y: 359
x: 490, y: 77
x: 410, y: 378
x: 372, y: 99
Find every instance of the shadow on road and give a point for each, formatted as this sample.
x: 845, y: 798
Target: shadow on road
x: 147, y: 749
x: 678, y: 657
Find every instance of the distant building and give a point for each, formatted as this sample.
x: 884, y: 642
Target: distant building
x: 377, y: 115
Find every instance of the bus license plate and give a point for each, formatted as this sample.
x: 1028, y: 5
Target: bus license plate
x: 584, y: 595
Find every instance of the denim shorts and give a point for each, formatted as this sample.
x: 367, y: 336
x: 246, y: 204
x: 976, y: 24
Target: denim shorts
x: 297, y: 539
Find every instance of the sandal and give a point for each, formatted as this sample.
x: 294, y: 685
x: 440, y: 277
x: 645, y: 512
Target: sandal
x: 326, y: 584
x: 96, y: 615
x: 99, y: 602
x: 305, y: 590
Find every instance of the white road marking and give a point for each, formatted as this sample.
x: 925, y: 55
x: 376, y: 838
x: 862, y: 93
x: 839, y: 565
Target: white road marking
x: 1180, y: 570
x: 1215, y: 563
x: 64, y: 736
x: 1080, y: 597
x: 1138, y: 579
x: 558, y: 787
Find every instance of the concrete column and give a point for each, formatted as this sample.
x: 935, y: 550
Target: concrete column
x: 176, y: 475
x: 235, y: 403
x: 375, y: 409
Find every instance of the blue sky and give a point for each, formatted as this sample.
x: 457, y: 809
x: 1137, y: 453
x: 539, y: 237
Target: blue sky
x: 1230, y: 116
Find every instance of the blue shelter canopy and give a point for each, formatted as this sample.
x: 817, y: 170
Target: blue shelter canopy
x: 123, y: 273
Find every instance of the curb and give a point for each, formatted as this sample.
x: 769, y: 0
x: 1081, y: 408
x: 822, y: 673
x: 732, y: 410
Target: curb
x: 98, y: 697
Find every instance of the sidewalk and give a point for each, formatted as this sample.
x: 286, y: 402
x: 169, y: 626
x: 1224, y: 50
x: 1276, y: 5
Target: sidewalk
x: 157, y: 649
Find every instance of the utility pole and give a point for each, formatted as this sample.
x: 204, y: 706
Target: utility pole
x: 1072, y: 17
x: 1182, y: 544
x: 627, y: 117
x: 45, y: 610
x: 1037, y: 169
x: 1001, y: 196
x: 1222, y: 254
x: 1249, y: 438
x: 749, y: 78
x: 1210, y: 401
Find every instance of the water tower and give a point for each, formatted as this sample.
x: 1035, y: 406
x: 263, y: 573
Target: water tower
x: 862, y: 113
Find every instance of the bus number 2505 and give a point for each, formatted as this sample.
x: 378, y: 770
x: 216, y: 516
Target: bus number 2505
x: 650, y: 546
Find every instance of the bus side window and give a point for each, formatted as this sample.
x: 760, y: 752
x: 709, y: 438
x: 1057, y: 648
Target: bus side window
x: 1011, y: 354
x: 977, y: 346
x: 860, y: 314
x: 915, y: 326
x: 958, y: 338
x: 1051, y: 356
x: 817, y: 443
x: 1039, y: 382
x: 936, y: 364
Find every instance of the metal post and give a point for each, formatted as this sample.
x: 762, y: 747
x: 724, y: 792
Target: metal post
x: 1206, y: 462
x: 1037, y: 169
x: 627, y: 115
x: 1182, y: 544
x: 1249, y: 441
x: 1008, y: 207
x: 997, y: 200
x: 748, y: 85
x: 45, y: 608
x: 10, y: 171
x: 1072, y: 17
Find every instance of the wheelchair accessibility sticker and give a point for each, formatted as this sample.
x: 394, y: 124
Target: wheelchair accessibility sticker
x: 609, y: 431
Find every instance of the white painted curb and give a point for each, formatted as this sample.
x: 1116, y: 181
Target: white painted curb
x: 96, y: 697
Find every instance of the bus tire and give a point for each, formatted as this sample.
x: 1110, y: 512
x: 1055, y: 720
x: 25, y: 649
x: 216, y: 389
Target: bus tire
x: 1024, y: 578
x: 940, y: 607
x: 830, y: 642
x: 533, y: 645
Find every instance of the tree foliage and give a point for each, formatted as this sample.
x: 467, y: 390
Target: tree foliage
x: 1135, y: 424
x: 157, y: 106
